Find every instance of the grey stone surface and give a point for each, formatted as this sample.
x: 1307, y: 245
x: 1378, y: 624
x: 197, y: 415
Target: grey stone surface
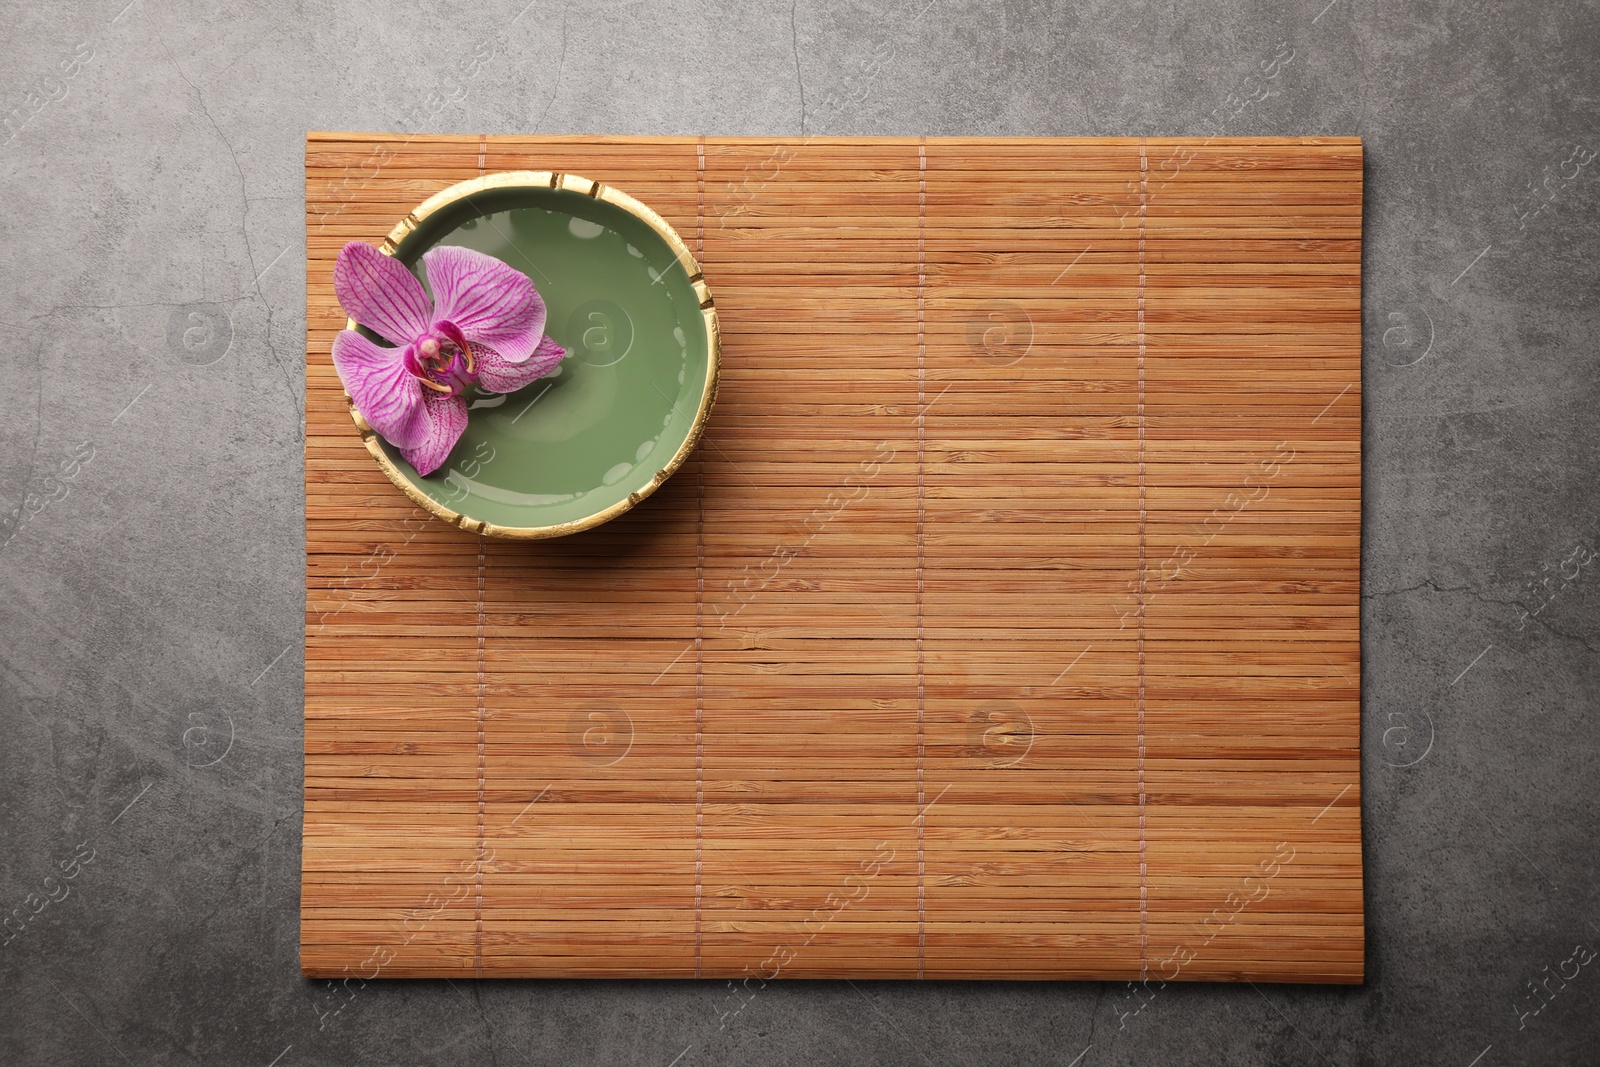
x: 151, y: 295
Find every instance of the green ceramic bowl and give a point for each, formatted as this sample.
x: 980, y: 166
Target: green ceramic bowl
x: 627, y: 301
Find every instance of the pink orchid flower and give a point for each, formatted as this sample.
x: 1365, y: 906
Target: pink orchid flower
x: 485, y: 326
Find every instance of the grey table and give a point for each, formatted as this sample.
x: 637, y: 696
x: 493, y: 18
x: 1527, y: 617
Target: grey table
x: 152, y: 303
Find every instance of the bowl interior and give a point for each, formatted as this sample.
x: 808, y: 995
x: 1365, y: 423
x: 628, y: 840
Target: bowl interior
x: 577, y: 443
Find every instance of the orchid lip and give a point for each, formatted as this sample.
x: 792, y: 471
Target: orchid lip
x: 453, y: 334
x: 428, y: 362
x: 442, y: 363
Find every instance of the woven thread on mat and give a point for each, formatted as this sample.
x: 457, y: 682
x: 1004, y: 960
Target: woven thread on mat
x: 477, y: 907
x: 477, y: 950
x: 699, y: 599
x: 1144, y: 886
x: 922, y: 353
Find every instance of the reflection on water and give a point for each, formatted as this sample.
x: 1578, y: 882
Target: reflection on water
x: 461, y: 483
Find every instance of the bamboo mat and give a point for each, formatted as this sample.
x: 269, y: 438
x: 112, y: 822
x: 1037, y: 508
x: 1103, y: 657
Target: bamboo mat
x: 1005, y: 624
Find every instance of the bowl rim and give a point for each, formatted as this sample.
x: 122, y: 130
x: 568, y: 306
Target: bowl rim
x: 560, y: 181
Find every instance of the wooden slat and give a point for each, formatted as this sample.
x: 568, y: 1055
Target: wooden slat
x: 1006, y: 624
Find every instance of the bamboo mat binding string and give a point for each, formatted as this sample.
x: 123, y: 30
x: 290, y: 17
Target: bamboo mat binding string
x: 483, y: 712
x: 699, y: 604
x: 922, y: 516
x: 478, y: 856
x: 1144, y: 872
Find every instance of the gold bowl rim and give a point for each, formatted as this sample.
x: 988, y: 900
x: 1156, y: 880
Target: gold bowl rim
x: 545, y: 179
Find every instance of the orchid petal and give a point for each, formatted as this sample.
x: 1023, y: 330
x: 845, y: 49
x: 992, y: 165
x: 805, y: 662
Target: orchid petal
x: 447, y: 416
x: 489, y: 302
x: 386, y: 394
x: 498, y: 375
x: 381, y: 294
